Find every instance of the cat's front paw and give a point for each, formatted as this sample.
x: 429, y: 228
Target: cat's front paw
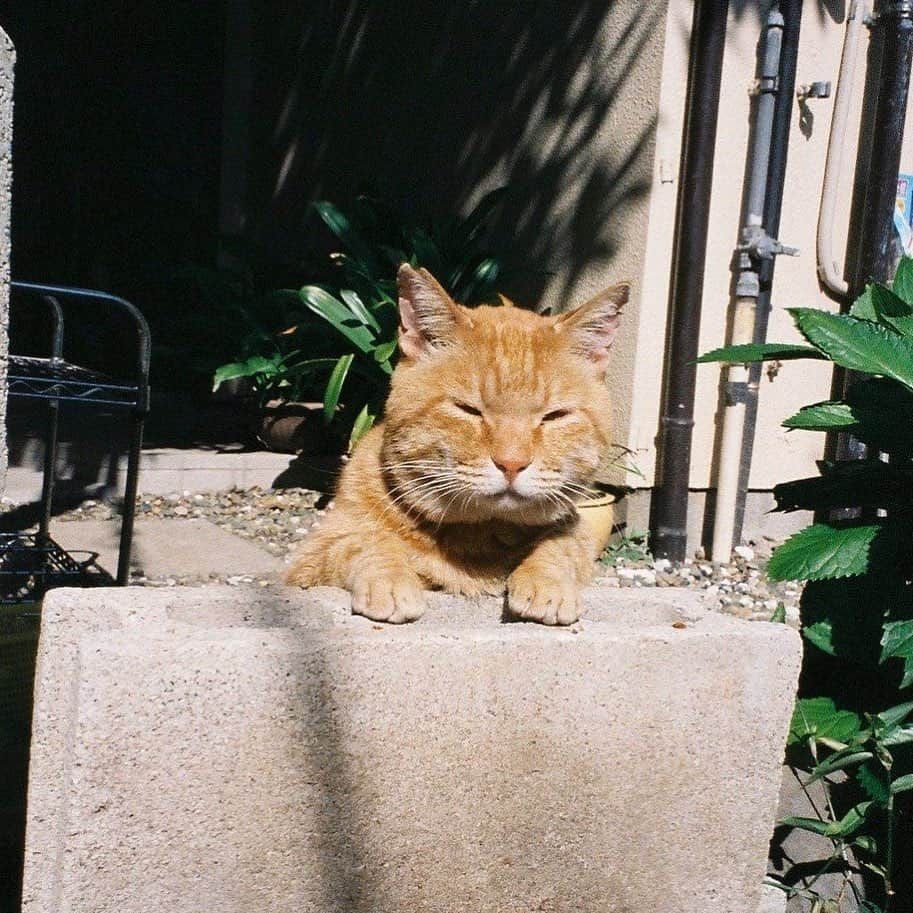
x: 546, y: 599
x: 394, y: 600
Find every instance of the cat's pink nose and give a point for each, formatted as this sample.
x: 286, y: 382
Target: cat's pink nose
x: 510, y: 467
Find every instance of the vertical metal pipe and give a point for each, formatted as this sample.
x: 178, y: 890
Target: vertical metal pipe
x: 893, y: 24
x: 892, y: 37
x: 670, y: 497
x: 755, y: 245
x: 773, y: 205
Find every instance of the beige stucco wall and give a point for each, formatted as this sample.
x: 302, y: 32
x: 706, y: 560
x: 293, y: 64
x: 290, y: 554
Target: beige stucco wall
x: 778, y: 455
x: 605, y: 203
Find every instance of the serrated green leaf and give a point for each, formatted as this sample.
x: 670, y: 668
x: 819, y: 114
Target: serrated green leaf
x: 822, y: 416
x: 891, y: 310
x: 873, y: 779
x: 819, y: 718
x: 877, y: 411
x: 863, y: 308
x: 903, y: 280
x: 844, y: 618
x: 759, y: 351
x: 857, y: 483
x: 858, y: 344
x: 822, y: 552
x: 898, y: 642
x: 334, y: 386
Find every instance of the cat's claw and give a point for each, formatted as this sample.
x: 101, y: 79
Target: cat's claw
x: 547, y: 601
x: 384, y: 599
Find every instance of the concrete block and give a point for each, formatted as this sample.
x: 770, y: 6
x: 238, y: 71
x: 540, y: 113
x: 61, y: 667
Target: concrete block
x: 218, y: 749
x: 7, y: 61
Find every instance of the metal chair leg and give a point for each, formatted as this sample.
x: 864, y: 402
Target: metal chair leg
x: 126, y: 529
x: 50, y: 469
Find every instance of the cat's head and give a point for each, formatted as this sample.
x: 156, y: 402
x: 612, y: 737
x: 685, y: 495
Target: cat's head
x: 496, y: 412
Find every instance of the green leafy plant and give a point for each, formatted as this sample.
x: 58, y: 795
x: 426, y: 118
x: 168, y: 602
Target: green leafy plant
x: 339, y: 340
x: 632, y: 546
x: 851, y: 721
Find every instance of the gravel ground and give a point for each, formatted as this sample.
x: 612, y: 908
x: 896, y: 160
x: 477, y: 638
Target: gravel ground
x: 278, y: 520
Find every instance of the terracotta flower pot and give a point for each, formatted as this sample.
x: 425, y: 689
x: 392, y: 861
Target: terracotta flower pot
x: 287, y: 427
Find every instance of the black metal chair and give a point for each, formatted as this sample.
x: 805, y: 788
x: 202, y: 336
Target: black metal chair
x: 32, y: 562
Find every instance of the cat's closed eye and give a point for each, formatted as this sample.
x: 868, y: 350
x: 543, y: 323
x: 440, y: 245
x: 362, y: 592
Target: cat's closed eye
x: 468, y: 409
x: 555, y: 414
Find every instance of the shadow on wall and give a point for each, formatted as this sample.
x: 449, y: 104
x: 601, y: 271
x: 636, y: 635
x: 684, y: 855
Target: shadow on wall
x: 431, y: 104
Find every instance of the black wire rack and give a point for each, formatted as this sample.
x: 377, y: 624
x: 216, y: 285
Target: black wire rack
x: 31, y: 562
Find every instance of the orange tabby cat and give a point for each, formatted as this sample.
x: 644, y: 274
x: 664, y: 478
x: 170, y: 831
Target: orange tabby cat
x: 497, y: 420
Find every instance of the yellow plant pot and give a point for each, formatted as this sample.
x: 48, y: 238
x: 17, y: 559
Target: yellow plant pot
x: 599, y: 516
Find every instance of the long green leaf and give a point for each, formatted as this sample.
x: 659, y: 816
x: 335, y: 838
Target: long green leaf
x: 466, y: 230
x: 334, y: 386
x: 845, y: 827
x: 363, y: 424
x: 806, y: 824
x: 896, y: 714
x: 357, y: 307
x: 849, y: 757
x: 759, y: 351
x: 822, y: 552
x: 857, y: 344
x: 850, y: 822
x: 256, y: 365
x: 338, y: 316
x: 338, y: 223
x: 902, y: 784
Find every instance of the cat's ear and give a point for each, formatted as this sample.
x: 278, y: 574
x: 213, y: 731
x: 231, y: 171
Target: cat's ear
x: 591, y: 328
x: 428, y: 317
